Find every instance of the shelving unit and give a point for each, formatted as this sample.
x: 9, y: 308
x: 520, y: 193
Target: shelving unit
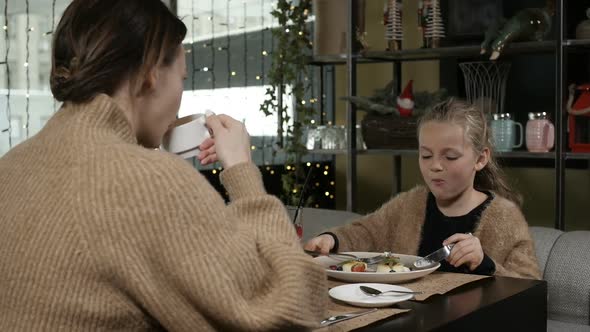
x: 577, y: 156
x: 423, y: 54
x: 501, y: 155
x: 559, y: 48
x: 577, y: 43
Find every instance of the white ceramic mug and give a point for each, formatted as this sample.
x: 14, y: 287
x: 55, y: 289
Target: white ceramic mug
x: 185, y: 136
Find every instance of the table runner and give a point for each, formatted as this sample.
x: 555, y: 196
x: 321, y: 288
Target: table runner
x: 337, y: 308
x: 434, y: 283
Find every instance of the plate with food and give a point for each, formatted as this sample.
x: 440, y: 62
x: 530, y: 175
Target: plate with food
x: 393, y: 269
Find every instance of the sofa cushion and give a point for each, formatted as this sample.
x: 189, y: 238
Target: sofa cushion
x: 567, y: 273
x: 557, y: 326
x: 544, y: 239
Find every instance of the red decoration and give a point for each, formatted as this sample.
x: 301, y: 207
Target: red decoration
x: 579, y: 118
x: 405, y: 101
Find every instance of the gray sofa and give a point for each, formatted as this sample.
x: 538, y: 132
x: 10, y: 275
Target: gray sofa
x: 316, y: 221
x: 564, y: 259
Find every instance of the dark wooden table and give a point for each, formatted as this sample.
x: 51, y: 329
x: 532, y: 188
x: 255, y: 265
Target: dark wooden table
x: 491, y: 304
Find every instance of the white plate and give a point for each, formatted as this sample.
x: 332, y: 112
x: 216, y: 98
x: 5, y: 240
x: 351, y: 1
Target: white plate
x: 382, y: 277
x: 352, y: 294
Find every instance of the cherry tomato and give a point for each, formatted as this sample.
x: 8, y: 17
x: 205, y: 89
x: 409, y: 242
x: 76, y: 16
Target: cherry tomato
x: 358, y: 268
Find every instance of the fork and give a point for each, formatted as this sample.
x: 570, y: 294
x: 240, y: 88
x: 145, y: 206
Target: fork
x: 367, y: 260
x: 375, y: 259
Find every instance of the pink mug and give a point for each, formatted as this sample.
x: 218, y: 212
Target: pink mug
x: 540, y: 133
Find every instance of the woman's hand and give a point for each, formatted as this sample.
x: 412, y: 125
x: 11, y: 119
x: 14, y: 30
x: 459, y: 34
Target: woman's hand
x: 230, y: 143
x: 207, y: 155
x: 323, y: 243
x: 467, y: 250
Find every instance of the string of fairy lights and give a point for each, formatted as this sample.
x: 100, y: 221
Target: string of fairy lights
x: 50, y: 33
x: 224, y: 44
x: 27, y: 69
x: 29, y: 29
x: 261, y: 76
x: 245, y: 60
x: 230, y: 72
x: 212, y: 46
x: 192, y: 49
x: 274, y: 142
x: 7, y: 73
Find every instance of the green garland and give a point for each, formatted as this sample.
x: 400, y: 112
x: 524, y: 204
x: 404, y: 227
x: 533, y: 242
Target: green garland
x: 289, y: 68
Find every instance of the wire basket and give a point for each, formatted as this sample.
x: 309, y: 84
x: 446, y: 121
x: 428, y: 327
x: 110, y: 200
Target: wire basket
x: 485, y: 84
x: 389, y: 132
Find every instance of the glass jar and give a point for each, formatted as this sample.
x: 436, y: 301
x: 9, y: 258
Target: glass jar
x: 312, y: 137
x: 540, y: 133
x: 504, y: 132
x: 329, y: 137
x: 360, y: 143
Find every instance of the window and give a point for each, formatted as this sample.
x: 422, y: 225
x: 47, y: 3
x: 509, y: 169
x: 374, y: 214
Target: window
x: 240, y: 103
x: 26, y: 103
x: 229, y: 46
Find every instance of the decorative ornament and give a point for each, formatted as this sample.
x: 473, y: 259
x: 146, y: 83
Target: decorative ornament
x: 422, y: 15
x: 392, y: 19
x: 405, y: 101
x: 435, y: 29
x: 485, y: 84
x: 582, y: 104
x: 385, y: 101
x: 527, y: 24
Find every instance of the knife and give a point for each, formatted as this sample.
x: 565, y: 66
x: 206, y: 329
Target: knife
x: 434, y: 257
x: 339, y: 318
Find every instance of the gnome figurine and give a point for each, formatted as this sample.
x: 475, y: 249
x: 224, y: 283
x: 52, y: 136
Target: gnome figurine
x: 405, y: 101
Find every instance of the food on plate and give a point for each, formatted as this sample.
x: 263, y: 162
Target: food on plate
x: 354, y: 266
x: 388, y: 265
x: 392, y: 264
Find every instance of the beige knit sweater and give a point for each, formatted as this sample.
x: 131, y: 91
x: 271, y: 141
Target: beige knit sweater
x: 397, y: 227
x: 99, y: 233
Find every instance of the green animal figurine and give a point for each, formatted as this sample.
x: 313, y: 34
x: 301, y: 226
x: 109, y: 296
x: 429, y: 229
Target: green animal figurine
x: 527, y: 24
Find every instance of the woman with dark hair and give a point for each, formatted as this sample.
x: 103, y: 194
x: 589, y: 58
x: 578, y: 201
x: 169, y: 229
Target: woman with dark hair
x: 100, y: 231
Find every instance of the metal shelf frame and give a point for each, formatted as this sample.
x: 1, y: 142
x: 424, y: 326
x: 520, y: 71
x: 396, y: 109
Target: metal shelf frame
x: 424, y: 54
x: 503, y: 155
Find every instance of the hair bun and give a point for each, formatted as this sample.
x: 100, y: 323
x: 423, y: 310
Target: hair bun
x: 64, y: 79
x: 62, y: 82
x: 62, y: 73
x: 74, y: 65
